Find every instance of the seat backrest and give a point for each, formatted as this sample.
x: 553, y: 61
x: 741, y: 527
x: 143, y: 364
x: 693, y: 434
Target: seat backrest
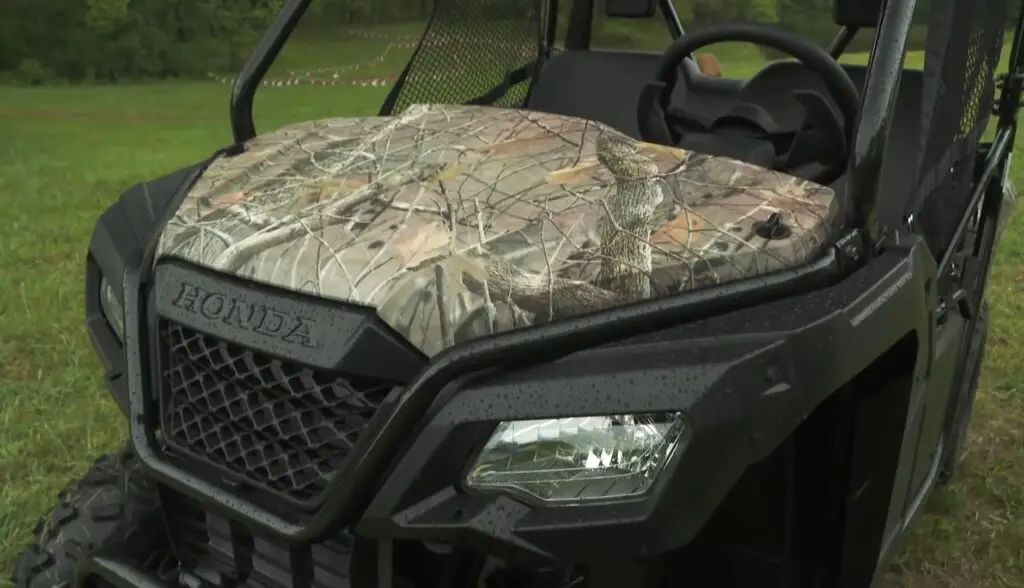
x: 472, y: 52
x: 597, y: 85
x: 642, y: 9
x: 897, y: 177
x: 605, y: 86
x: 857, y: 13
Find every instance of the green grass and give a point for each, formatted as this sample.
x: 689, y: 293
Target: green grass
x: 57, y: 172
x: 323, y: 51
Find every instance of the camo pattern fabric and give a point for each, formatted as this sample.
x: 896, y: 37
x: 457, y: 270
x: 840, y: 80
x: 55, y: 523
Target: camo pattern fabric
x: 455, y: 222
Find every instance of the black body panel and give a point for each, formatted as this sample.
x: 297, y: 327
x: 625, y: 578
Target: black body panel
x: 121, y: 234
x: 746, y: 380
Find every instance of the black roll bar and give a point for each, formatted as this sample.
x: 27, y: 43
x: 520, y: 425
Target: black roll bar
x: 878, y: 99
x: 1013, y: 82
x: 248, y: 81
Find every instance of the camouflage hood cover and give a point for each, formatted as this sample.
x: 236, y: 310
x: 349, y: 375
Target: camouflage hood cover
x: 458, y: 221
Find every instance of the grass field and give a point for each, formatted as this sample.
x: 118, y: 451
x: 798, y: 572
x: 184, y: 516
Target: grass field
x: 67, y: 152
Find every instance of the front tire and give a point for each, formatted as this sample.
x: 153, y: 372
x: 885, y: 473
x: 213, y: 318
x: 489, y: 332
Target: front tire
x: 114, y: 506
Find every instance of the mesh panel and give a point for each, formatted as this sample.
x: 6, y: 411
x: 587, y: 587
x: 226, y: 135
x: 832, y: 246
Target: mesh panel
x: 282, y: 426
x: 470, y: 48
x: 965, y: 38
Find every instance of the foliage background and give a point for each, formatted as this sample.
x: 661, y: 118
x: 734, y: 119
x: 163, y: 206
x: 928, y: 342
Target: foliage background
x: 105, y: 41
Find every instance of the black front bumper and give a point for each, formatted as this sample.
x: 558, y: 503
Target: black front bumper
x: 204, y: 549
x: 112, y: 572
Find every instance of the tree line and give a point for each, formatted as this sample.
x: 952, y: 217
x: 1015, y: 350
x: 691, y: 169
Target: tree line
x: 117, y: 40
x: 121, y: 40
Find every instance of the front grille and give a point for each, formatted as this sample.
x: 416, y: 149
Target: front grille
x: 280, y: 425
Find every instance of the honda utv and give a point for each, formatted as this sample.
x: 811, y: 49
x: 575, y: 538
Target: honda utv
x: 557, y: 316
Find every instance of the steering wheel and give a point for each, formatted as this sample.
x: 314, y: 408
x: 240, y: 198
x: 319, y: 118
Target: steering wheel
x: 658, y: 123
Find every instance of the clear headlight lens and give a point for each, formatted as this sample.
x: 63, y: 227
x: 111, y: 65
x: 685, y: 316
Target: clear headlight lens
x: 580, y: 458
x: 112, y: 308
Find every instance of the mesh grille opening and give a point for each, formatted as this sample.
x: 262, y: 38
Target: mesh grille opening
x: 282, y: 426
x: 966, y: 37
x: 469, y: 49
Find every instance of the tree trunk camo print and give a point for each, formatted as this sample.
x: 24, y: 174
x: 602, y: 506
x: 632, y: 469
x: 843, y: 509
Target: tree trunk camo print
x: 455, y: 222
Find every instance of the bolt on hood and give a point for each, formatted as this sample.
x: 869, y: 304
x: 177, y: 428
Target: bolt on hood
x: 455, y: 222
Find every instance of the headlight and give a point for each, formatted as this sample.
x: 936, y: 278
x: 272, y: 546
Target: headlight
x: 580, y: 458
x: 112, y: 308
